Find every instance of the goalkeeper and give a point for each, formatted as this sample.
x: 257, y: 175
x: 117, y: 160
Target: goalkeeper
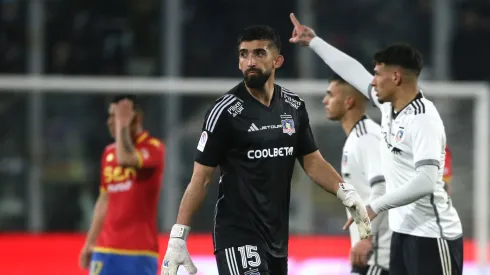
x: 251, y: 224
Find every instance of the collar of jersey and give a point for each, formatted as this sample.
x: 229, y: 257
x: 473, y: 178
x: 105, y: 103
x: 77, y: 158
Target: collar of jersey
x: 361, y: 119
x: 141, y: 137
x: 242, y: 89
x: 418, y: 96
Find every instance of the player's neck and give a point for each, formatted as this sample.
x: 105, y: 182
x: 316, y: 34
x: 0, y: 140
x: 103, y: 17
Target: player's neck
x: 350, y: 119
x: 265, y: 94
x: 403, y: 97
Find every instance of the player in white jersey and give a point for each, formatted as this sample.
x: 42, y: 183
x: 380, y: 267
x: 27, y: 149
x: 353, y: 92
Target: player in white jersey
x: 427, y: 236
x: 361, y: 167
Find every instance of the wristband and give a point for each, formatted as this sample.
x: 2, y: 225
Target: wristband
x: 180, y: 231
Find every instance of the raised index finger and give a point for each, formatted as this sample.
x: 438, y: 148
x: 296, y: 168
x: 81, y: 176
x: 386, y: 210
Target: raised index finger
x: 294, y: 20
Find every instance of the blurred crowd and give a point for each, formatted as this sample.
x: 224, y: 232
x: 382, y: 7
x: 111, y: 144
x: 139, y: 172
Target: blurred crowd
x: 90, y: 37
x: 113, y: 37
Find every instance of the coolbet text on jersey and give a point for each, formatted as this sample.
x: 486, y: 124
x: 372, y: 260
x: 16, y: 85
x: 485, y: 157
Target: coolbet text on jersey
x: 361, y: 167
x: 128, y: 242
x: 256, y: 147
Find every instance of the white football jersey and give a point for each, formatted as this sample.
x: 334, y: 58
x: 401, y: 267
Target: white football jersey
x: 361, y: 167
x: 412, y: 138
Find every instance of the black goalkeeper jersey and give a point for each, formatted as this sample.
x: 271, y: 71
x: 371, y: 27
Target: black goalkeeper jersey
x: 256, y: 147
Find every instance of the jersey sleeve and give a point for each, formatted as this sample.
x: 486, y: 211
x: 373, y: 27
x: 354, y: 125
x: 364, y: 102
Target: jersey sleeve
x: 427, y: 135
x: 448, y: 166
x: 212, y: 144
x: 347, y: 67
x: 370, y: 159
x: 151, y: 153
x: 306, y: 142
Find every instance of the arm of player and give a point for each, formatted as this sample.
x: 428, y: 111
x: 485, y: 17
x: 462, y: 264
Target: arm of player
x: 323, y: 174
x: 427, y: 139
x: 210, y: 149
x: 347, y: 67
x: 100, y: 211
x: 125, y: 151
x: 195, y: 193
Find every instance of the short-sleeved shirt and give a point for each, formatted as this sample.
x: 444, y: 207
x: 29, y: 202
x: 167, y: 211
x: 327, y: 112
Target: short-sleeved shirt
x: 361, y: 167
x: 415, y: 137
x: 130, y: 225
x: 255, y: 147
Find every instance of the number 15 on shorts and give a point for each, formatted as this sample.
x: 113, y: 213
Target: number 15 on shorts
x: 239, y: 261
x: 249, y: 255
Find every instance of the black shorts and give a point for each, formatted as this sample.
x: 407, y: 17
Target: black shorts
x: 249, y: 260
x: 412, y: 255
x: 369, y: 270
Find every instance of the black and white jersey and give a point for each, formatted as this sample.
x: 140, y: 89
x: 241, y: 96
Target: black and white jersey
x: 414, y: 137
x: 255, y: 147
x: 361, y: 167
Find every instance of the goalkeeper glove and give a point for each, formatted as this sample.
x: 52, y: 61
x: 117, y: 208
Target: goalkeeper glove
x: 349, y: 197
x: 177, y: 253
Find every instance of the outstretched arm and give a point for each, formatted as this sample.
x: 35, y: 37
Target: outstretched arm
x: 347, y: 67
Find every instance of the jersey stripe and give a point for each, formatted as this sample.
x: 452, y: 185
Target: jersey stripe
x: 376, y: 180
x: 231, y: 261
x: 445, y: 256
x: 436, y: 213
x: 419, y: 106
x: 363, y: 126
x: 423, y: 162
x: 360, y: 128
x: 216, y: 214
x: 287, y: 92
x: 216, y: 112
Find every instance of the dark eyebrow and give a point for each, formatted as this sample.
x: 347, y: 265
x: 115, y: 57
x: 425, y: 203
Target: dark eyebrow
x: 254, y: 50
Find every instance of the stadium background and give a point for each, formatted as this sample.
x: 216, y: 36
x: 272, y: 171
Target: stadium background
x: 46, y: 197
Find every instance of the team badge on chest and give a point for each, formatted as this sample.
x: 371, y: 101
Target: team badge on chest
x: 400, y: 135
x: 287, y: 124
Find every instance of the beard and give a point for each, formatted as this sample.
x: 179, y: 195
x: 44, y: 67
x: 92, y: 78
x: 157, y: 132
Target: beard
x: 256, y: 81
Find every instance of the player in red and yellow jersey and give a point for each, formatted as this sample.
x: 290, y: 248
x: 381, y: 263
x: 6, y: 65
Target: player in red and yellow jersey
x: 123, y: 235
x: 448, y: 172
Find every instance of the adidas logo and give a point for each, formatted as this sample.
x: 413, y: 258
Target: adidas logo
x: 253, y: 128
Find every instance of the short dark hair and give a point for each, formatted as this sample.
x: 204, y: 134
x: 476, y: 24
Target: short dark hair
x: 400, y: 54
x: 136, y: 103
x: 338, y: 78
x: 260, y: 32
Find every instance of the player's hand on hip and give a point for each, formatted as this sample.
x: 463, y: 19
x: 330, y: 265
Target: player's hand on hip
x: 301, y: 34
x: 124, y: 112
x: 177, y: 253
x: 353, y: 202
x: 85, y: 257
x: 359, y: 254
